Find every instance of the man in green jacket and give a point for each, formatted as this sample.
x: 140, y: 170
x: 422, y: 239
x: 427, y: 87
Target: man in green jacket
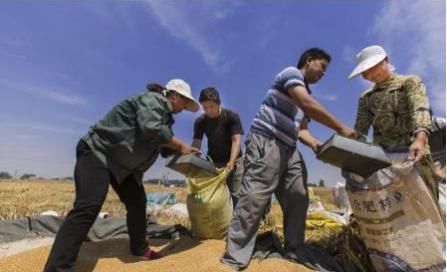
x: 117, y: 150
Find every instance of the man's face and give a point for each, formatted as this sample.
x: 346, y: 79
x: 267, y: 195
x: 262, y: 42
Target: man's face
x: 316, y: 69
x: 178, y: 103
x: 377, y: 73
x: 211, y: 109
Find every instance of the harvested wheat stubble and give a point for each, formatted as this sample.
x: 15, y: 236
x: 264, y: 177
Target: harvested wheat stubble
x: 184, y: 255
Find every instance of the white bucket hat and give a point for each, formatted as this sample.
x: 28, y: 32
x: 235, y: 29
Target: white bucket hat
x: 182, y: 88
x: 368, y: 58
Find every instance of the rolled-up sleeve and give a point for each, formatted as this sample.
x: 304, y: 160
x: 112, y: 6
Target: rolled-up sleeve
x: 364, y: 117
x: 153, y: 117
x: 418, y: 105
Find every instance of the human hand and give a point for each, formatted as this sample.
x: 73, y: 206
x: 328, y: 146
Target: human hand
x: 230, y: 166
x: 316, y: 147
x: 187, y: 149
x: 417, y: 150
x: 348, y: 132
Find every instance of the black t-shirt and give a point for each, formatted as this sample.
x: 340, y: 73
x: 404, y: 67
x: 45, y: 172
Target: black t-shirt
x: 218, y: 131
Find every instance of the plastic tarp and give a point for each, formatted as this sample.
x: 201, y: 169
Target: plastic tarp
x: 161, y: 198
x: 102, y: 229
x: 268, y: 245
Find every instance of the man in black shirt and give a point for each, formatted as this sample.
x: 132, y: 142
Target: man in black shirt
x: 223, y: 130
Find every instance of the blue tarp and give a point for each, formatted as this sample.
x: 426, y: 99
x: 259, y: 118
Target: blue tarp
x: 161, y: 198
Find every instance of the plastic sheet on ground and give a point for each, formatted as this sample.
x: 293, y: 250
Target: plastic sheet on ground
x: 178, y: 210
x: 161, y: 198
x: 268, y: 245
x: 102, y: 229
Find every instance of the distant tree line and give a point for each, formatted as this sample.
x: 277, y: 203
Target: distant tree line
x: 6, y: 175
x: 167, y: 182
x: 164, y: 181
x: 321, y: 183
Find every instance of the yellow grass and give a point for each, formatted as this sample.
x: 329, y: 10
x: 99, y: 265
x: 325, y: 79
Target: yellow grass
x: 26, y: 198
x: 20, y: 198
x: 325, y: 196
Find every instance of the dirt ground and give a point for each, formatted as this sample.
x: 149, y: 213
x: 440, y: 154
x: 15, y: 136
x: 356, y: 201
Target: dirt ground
x: 183, y: 255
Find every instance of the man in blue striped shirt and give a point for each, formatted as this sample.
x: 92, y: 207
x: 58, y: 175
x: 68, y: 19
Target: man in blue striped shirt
x: 272, y: 163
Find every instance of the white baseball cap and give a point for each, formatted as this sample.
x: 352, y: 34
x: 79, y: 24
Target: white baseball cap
x: 368, y: 58
x: 182, y: 88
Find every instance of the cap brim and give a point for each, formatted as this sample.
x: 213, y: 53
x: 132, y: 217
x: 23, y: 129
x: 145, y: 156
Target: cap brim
x: 365, y: 65
x: 192, y: 105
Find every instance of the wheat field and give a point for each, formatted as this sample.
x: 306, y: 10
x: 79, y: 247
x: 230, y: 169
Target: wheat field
x: 20, y: 198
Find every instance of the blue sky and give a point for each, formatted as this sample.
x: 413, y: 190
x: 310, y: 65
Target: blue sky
x: 64, y: 64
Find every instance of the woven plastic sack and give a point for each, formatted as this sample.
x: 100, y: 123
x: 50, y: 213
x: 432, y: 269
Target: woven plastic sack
x: 209, y: 205
x: 398, y: 218
x: 442, y: 199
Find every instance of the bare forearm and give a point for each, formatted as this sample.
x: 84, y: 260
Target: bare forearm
x: 313, y: 109
x: 307, y: 138
x: 317, y: 112
x: 197, y: 143
x: 179, y: 146
x: 235, y: 149
x: 422, y: 137
x: 174, y: 144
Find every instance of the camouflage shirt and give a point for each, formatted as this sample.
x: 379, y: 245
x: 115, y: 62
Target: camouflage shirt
x: 396, y: 109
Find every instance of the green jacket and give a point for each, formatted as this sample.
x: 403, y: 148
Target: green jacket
x: 396, y: 109
x: 128, y: 139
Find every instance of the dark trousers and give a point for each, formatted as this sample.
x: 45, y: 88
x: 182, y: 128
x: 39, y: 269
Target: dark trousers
x: 92, y: 179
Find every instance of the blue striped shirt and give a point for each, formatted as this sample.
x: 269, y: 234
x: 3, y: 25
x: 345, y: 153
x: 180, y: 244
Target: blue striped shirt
x: 278, y: 115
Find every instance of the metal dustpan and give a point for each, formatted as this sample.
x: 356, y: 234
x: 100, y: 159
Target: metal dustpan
x: 354, y: 156
x: 191, y: 165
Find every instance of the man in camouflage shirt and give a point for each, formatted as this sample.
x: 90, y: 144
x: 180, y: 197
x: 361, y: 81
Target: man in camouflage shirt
x: 398, y: 110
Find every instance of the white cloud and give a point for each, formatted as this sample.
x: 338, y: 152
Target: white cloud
x: 49, y: 128
x: 327, y: 97
x: 348, y: 55
x: 28, y: 129
x: 60, y: 96
x: 193, y: 27
x: 415, y: 31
